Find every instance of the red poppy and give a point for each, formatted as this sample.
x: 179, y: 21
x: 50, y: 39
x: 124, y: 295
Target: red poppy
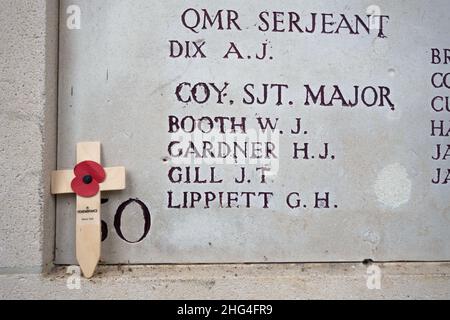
x: 88, y: 176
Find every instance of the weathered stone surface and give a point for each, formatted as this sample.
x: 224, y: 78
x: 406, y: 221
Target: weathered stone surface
x: 28, y: 78
x: 285, y: 281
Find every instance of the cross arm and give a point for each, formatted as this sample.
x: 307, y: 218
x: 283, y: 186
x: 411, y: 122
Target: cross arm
x: 115, y: 180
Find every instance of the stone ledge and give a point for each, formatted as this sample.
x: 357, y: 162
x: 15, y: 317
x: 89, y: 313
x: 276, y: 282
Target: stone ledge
x: 271, y: 281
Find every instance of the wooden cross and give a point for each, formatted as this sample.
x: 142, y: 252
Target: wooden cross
x: 88, y: 222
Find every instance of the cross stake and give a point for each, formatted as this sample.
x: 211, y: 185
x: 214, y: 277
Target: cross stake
x: 88, y: 221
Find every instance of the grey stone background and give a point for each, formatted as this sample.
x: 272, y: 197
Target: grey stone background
x: 28, y: 95
x: 28, y: 79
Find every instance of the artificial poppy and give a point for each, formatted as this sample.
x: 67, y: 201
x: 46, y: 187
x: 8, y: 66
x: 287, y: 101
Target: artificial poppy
x: 88, y: 176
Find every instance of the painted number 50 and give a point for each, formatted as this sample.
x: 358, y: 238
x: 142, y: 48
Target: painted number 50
x: 118, y: 221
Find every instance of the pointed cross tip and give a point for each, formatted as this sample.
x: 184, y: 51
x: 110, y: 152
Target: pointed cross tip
x: 88, y: 270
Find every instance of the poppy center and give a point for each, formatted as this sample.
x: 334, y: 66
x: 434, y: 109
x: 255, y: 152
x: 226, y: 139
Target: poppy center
x: 87, y: 179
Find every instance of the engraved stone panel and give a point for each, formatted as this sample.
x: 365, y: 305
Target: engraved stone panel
x: 253, y: 131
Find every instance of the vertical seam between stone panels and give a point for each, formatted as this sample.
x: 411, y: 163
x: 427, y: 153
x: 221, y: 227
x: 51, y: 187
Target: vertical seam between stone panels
x: 57, y: 122
x: 50, y: 132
